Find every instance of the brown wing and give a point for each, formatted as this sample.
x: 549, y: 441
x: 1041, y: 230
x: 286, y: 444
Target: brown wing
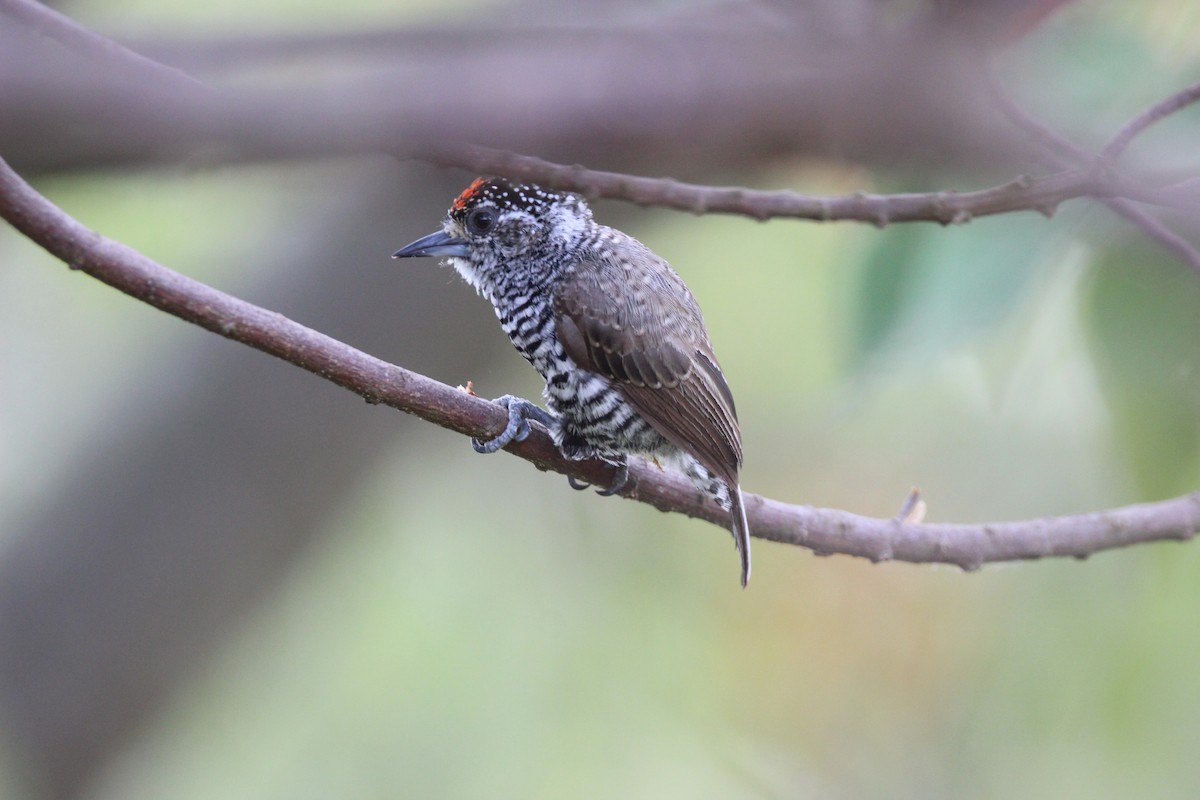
x: 638, y: 325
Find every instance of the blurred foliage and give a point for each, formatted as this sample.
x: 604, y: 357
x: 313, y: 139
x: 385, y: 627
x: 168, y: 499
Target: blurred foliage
x: 471, y: 628
x: 925, y: 288
x: 1144, y: 330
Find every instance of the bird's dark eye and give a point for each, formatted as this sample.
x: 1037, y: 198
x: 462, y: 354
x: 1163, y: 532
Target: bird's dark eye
x: 481, y: 220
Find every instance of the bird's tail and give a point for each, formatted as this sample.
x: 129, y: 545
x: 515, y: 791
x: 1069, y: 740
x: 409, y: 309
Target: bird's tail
x: 741, y: 530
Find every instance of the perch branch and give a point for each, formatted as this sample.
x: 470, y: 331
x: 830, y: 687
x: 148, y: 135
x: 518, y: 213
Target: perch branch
x: 824, y: 531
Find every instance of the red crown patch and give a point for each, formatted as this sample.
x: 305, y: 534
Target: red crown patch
x: 461, y: 201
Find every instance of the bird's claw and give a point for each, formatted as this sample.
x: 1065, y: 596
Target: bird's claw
x: 520, y: 411
x: 620, y: 478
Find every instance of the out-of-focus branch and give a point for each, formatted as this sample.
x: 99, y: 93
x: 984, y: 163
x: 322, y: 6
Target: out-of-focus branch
x: 682, y: 98
x: 1059, y: 152
x: 824, y: 531
x: 186, y: 108
x: 69, y: 33
x: 1025, y: 193
x: 1160, y: 110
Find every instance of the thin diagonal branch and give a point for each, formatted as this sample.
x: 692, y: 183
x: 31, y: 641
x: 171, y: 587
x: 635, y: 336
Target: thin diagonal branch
x: 1059, y: 152
x: 825, y: 531
x: 71, y: 34
x: 1160, y: 110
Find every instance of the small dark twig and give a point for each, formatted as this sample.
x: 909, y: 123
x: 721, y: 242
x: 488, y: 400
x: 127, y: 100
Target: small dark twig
x: 912, y: 509
x: 824, y: 531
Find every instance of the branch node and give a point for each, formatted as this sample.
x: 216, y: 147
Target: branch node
x: 1061, y: 153
x: 824, y: 210
x: 947, y: 208
x: 873, y: 208
x: 883, y: 555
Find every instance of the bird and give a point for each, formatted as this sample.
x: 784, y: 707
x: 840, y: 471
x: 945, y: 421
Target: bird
x: 615, y: 333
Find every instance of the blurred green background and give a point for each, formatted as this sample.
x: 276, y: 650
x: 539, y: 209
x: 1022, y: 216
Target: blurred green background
x: 469, y: 627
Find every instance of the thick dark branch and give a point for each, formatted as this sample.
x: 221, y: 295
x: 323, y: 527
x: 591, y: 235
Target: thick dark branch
x: 680, y: 97
x: 272, y: 120
x: 1025, y: 193
x: 822, y: 530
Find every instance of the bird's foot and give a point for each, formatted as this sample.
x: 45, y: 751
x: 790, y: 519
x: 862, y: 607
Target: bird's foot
x: 520, y: 411
x: 620, y: 477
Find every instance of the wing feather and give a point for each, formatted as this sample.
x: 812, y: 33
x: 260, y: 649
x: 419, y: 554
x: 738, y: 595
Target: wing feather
x: 652, y: 344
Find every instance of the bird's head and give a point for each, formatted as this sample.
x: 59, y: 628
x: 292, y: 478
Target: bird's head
x: 495, y: 227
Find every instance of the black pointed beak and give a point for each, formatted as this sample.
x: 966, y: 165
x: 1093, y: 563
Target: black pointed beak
x: 435, y: 244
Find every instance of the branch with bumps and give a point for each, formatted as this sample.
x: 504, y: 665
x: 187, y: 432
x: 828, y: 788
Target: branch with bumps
x: 824, y: 531
x: 1081, y: 175
x: 1042, y: 194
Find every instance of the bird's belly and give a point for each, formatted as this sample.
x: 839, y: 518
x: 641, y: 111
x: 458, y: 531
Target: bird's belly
x: 593, y: 412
